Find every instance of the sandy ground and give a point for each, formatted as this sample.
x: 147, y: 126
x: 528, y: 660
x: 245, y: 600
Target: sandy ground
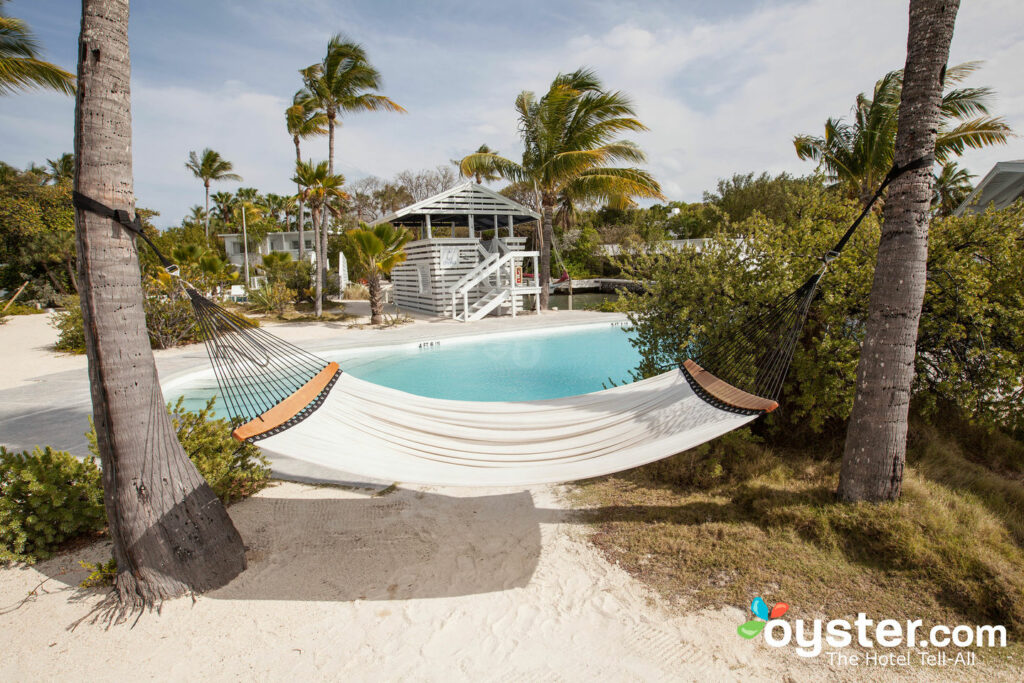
x: 348, y: 584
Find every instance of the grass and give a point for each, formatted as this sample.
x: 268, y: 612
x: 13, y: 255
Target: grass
x: 733, y: 520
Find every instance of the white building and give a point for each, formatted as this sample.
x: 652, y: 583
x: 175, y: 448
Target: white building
x: 287, y: 242
x: 452, y: 270
x: 1000, y: 187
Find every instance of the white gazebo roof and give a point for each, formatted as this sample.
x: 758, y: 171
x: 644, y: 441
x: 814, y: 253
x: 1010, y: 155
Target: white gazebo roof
x: 454, y: 206
x: 1000, y: 187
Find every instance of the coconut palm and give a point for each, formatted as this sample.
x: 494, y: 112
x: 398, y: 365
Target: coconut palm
x: 303, y: 123
x: 61, y: 170
x: 570, y: 138
x: 20, y: 66
x: 319, y: 189
x: 170, y: 534
x: 858, y: 154
x: 481, y: 176
x: 344, y: 82
x: 224, y: 202
x: 952, y: 186
x: 876, y: 441
x: 378, y: 250
x: 210, y: 166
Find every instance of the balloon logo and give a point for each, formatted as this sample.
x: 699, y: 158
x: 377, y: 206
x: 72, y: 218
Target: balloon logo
x: 760, y: 610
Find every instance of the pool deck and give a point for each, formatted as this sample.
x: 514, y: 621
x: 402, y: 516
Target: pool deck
x: 44, y: 395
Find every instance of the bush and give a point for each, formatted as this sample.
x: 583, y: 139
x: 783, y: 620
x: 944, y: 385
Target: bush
x: 70, y: 327
x: 46, y: 497
x: 971, y: 342
x: 271, y: 298
x: 170, y: 321
x: 233, y: 470
x: 356, y: 291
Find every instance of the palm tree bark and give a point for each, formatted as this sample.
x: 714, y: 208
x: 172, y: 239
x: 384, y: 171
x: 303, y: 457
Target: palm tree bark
x: 302, y: 235
x: 171, y: 534
x: 876, y: 440
x: 376, y: 299
x: 548, y: 230
x: 206, y: 184
x: 318, y: 299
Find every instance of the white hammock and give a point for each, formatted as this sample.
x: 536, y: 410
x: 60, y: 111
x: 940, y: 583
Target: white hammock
x: 374, y: 431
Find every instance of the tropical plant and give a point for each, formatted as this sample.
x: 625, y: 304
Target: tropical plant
x: 569, y: 137
x: 272, y: 297
x: 378, y: 250
x: 224, y: 204
x: 951, y: 188
x: 858, y: 154
x: 319, y: 189
x: 61, y: 170
x: 481, y: 175
x: 876, y: 440
x: 208, y: 167
x: 343, y: 82
x: 170, y: 533
x: 20, y: 66
x: 303, y: 123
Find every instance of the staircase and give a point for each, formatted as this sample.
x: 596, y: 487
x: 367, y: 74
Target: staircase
x: 487, y: 303
x: 494, y: 272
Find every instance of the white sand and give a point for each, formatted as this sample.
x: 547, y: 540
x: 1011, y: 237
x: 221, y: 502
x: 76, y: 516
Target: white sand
x: 420, y: 584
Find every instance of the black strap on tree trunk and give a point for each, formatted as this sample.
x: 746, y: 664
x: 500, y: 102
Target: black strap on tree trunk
x: 120, y: 216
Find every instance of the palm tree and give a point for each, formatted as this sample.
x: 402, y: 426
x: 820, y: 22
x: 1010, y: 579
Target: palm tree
x: 171, y: 535
x: 20, y: 66
x: 952, y: 186
x: 61, y: 170
x: 569, y: 137
x: 302, y: 124
x: 224, y: 203
x: 481, y: 176
x: 210, y: 166
x: 319, y: 188
x: 857, y: 155
x: 876, y: 441
x: 342, y: 83
x: 378, y: 250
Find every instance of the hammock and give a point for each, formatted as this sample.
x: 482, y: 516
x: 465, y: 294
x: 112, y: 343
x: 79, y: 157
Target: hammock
x: 296, y: 404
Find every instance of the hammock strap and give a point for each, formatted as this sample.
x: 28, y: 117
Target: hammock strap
x: 126, y: 221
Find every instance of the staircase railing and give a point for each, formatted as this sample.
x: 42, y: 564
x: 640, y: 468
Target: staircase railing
x: 492, y: 265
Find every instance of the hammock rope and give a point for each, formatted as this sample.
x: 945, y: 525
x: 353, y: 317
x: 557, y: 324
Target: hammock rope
x: 269, y: 384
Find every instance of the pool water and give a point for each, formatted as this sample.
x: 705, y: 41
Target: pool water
x: 512, y: 367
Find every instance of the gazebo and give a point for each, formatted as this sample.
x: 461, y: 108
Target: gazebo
x: 467, y: 262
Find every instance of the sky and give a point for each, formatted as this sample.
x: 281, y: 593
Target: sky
x: 723, y: 86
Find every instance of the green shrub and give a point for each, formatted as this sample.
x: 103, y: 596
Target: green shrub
x: 234, y: 470
x: 70, y: 327
x: 18, y: 308
x: 101, y: 574
x: 271, y: 298
x: 46, y: 497
x: 170, y: 321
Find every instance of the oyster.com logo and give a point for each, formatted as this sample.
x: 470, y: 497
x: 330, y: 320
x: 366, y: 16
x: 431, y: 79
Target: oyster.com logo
x: 760, y: 609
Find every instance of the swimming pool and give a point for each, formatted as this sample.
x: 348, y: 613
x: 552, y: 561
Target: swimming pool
x: 519, y: 366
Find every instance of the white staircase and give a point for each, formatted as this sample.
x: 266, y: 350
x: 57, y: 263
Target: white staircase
x: 490, y: 284
x: 487, y: 303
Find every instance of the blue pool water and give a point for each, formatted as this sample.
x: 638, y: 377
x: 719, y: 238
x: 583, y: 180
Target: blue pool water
x: 518, y: 367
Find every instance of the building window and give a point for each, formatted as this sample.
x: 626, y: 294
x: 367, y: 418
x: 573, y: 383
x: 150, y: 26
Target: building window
x: 309, y: 244
x: 238, y: 247
x: 295, y: 245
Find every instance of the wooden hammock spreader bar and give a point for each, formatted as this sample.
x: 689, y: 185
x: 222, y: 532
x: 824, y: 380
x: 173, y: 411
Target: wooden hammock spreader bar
x: 727, y: 393
x: 288, y: 408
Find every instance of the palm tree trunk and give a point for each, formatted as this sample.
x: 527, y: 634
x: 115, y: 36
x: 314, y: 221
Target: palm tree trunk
x: 544, y: 275
x: 302, y: 217
x: 171, y: 534
x: 318, y: 293
x: 206, y: 184
x: 376, y: 299
x: 325, y: 225
x: 876, y: 439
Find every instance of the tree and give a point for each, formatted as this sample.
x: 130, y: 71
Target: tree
x: 569, y: 137
x: 342, y: 83
x: 481, y: 176
x: 876, y: 440
x: 224, y: 202
x: 20, y: 66
x: 170, y: 532
x: 61, y: 170
x: 857, y: 155
x: 210, y: 166
x: 378, y: 250
x: 319, y: 188
x: 952, y: 188
x: 303, y: 124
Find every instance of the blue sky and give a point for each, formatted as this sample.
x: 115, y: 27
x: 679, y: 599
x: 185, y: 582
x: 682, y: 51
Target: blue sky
x: 723, y: 86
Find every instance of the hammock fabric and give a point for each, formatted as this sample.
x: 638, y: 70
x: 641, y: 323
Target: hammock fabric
x: 299, y: 405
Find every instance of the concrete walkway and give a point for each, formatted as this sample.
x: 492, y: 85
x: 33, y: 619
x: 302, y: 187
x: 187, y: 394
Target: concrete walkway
x: 45, y: 400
